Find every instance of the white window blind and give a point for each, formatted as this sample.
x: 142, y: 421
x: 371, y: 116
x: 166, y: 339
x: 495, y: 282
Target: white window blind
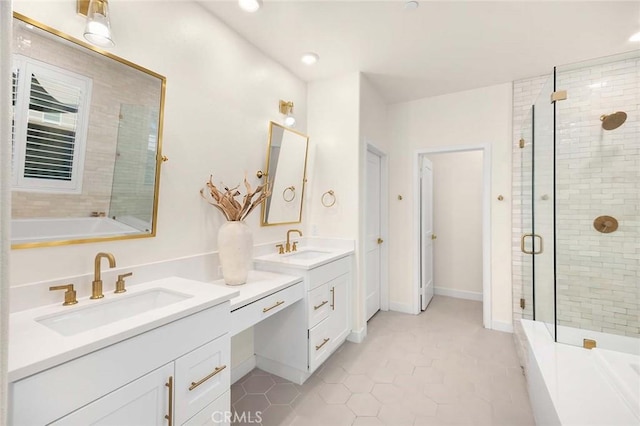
x: 50, y: 122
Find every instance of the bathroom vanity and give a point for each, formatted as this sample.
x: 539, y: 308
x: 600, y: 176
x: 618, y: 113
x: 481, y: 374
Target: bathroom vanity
x: 167, y: 364
x: 298, y: 341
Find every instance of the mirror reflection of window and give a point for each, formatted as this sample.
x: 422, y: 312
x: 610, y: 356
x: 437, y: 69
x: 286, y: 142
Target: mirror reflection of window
x: 50, y: 116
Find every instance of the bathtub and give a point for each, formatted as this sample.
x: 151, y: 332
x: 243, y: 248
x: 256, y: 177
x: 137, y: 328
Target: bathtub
x: 55, y: 229
x: 570, y: 385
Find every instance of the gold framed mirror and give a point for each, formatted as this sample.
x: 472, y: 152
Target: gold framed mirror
x: 87, y: 141
x: 286, y: 173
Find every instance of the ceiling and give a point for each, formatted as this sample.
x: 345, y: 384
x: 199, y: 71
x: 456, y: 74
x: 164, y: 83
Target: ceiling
x: 440, y: 47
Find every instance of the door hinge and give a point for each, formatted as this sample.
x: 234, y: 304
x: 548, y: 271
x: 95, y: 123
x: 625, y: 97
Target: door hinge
x: 521, y: 143
x: 522, y: 303
x: 559, y: 95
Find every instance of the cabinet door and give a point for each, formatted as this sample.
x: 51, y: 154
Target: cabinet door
x: 339, y: 317
x: 142, y: 402
x: 202, y: 376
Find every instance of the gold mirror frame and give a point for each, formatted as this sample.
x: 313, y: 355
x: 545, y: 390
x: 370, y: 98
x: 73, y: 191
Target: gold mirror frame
x: 290, y: 188
x: 159, y: 157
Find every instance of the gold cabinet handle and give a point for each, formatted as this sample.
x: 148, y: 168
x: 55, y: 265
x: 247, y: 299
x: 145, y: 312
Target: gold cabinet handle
x: 273, y: 307
x: 380, y: 241
x: 324, y: 342
x: 434, y: 237
x: 169, y: 416
x: 201, y: 381
x: 315, y: 308
x: 333, y: 298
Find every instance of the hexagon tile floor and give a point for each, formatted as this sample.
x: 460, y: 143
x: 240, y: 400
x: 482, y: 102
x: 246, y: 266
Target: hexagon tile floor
x: 437, y: 368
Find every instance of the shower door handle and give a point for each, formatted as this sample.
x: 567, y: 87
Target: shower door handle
x: 533, y: 251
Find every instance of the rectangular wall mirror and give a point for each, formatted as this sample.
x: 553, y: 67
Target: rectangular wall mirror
x: 286, y: 173
x: 86, y: 141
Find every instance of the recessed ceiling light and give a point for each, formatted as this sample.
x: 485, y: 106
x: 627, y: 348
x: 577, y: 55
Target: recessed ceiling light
x: 635, y: 37
x: 310, y: 58
x: 411, y: 5
x: 250, y: 5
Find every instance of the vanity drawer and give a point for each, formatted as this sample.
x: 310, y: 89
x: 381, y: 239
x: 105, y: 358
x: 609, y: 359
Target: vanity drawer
x: 251, y: 314
x: 202, y: 376
x: 319, y: 344
x: 324, y: 273
x: 217, y: 413
x: 319, y: 304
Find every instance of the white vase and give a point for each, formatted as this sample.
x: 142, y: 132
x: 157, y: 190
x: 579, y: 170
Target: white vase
x: 235, y: 250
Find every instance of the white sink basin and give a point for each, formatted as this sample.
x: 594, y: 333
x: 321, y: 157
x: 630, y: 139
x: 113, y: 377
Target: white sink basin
x: 307, y: 254
x: 108, y: 311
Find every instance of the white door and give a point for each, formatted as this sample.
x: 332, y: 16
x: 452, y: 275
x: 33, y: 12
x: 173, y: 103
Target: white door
x: 373, y: 237
x: 426, y: 233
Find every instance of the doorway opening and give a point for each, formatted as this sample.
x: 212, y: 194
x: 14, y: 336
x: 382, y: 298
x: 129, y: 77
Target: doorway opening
x: 452, y: 226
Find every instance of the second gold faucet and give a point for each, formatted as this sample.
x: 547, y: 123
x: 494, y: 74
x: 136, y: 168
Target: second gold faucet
x: 96, y: 285
x: 288, y: 245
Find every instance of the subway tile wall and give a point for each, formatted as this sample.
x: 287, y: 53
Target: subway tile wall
x: 598, y: 173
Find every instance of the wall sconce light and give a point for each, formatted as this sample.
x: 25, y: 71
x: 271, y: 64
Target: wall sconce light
x: 286, y: 108
x: 98, y: 28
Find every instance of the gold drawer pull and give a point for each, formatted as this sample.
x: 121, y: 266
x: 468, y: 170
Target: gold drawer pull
x: 315, y: 308
x: 199, y: 382
x: 273, y: 307
x: 169, y: 416
x: 324, y: 342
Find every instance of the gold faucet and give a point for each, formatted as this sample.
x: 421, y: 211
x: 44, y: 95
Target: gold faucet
x: 288, y: 245
x: 96, y: 290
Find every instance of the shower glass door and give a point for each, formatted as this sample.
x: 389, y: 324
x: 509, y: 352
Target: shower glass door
x: 541, y: 241
x: 523, y: 284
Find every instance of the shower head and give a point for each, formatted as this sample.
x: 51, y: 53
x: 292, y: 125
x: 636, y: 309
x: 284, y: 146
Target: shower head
x: 613, y: 121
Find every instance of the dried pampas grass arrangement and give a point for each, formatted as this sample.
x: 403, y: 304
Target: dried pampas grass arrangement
x: 226, y: 202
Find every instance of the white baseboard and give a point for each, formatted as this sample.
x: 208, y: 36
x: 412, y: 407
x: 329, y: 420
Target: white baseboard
x: 458, y: 294
x: 357, y: 336
x: 292, y: 374
x: 401, y: 307
x: 507, y: 327
x: 241, y: 370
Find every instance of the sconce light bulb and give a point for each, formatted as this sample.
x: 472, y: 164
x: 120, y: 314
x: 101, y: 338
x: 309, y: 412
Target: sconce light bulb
x: 310, y: 58
x: 289, y: 120
x: 250, y: 5
x: 635, y: 37
x: 98, y: 33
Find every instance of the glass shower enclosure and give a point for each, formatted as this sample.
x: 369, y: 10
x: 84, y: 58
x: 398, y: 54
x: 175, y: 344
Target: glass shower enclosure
x: 580, y: 206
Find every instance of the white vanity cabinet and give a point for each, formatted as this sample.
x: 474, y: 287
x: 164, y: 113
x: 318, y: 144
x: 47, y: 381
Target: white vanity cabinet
x: 294, y: 348
x: 176, y: 374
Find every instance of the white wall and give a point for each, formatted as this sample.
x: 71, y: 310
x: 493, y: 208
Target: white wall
x: 474, y: 117
x: 221, y: 94
x: 457, y: 221
x: 5, y: 197
x: 334, y: 164
x: 373, y: 131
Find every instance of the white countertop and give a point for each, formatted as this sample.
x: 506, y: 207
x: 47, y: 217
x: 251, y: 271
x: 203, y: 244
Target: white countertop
x: 34, y: 347
x: 259, y: 284
x: 323, y: 256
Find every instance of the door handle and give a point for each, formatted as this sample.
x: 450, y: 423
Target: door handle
x: 380, y: 240
x: 434, y: 236
x: 533, y: 251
